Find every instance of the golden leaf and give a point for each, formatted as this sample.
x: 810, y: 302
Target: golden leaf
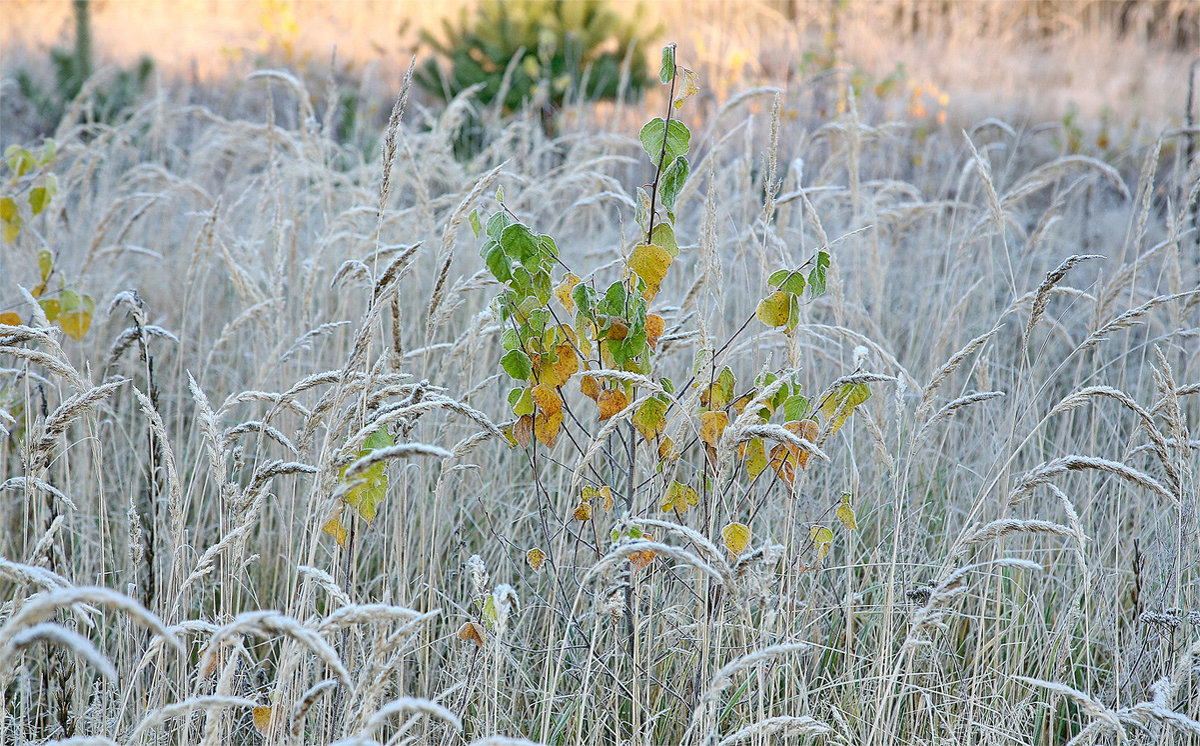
x: 611, y: 402
x: 535, y: 557
x: 334, y: 528
x: 845, y: 513
x: 679, y: 498
x: 10, y: 318
x: 822, y: 538
x: 654, y: 329
x: 568, y: 362
x: 262, y: 719
x: 589, y: 386
x: 607, y: 496
x: 583, y: 512
x: 563, y: 291
x: 775, y: 309
x: 650, y: 263
x: 737, y: 538
x: 712, y: 424
x: 755, y: 454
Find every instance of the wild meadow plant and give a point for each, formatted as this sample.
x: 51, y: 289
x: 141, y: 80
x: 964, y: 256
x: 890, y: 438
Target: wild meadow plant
x: 817, y: 436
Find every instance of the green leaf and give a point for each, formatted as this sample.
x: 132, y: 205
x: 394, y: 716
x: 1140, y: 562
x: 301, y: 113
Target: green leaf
x: 517, y: 364
x: 519, y: 243
x: 787, y: 280
x: 845, y: 513
x: 521, y: 401
x: 45, y: 263
x: 676, y: 136
x: 476, y: 225
x: 497, y: 223
x: 651, y: 418
x: 773, y: 310
x: 372, y: 483
x: 816, y: 278
x: 671, y: 183
x: 795, y: 408
x: 585, y: 300
x: 664, y: 236
x: 666, y: 73
x: 38, y: 199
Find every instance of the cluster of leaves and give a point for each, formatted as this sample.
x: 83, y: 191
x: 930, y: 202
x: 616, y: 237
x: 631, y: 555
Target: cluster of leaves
x: 557, y: 328
x: 537, y: 51
x: 29, y: 190
x: 363, y: 492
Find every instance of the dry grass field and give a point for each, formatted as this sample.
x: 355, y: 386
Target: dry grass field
x: 1019, y: 561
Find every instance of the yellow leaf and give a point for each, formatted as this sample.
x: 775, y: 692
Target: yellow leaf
x: 75, y: 323
x: 590, y: 387
x: 845, y: 513
x: 667, y: 451
x: 583, y: 512
x: 839, y: 405
x: 51, y: 308
x: 471, y: 632
x: 568, y: 362
x: 334, y: 528
x: 688, y: 88
x: 784, y: 463
x: 712, y: 424
x: 563, y: 291
x: 262, y: 719
x: 720, y: 393
x: 654, y: 329
x: 737, y: 538
x: 535, y: 557
x: 774, y: 309
x: 650, y: 263
x: 821, y: 537
x: 650, y: 419
x: 546, y: 427
x: 611, y: 402
x: 755, y: 454
x: 10, y: 318
x: 679, y: 498
x: 607, y: 497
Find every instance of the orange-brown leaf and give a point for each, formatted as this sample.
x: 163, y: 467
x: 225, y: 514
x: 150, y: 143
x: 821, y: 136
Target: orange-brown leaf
x: 583, y: 512
x: 10, y: 318
x: 611, y: 402
x: 568, y: 362
x: 590, y: 387
x: 471, y: 632
x: 263, y: 716
x: 523, y: 431
x: 654, y: 329
x: 712, y: 424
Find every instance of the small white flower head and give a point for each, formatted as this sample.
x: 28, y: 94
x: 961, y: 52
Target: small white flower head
x: 479, y: 576
x: 507, y: 603
x: 861, y: 353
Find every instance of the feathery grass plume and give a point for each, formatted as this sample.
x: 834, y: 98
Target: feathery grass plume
x: 993, y: 530
x: 364, y: 614
x: 1129, y: 318
x: 781, y: 726
x: 946, y: 369
x: 721, y: 575
x: 268, y: 623
x: 1050, y: 469
x: 256, y: 426
x: 449, y: 234
x: 55, y: 633
x: 82, y: 741
x: 703, y: 709
x: 305, y: 703
x: 326, y: 582
x: 203, y: 703
x: 947, y: 411
x: 33, y: 483
x: 43, y: 605
x: 133, y: 334
x: 1157, y: 441
x: 61, y: 418
x: 1042, y: 296
x: 1164, y: 380
x: 503, y: 741
x: 32, y: 575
